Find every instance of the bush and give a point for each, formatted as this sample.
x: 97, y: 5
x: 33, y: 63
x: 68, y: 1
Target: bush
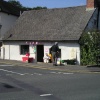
x: 89, y: 45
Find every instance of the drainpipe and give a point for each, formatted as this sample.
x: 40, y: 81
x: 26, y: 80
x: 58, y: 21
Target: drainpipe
x: 9, y: 51
x: 0, y: 40
x: 0, y: 32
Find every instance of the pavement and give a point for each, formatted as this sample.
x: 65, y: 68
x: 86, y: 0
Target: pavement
x: 49, y: 66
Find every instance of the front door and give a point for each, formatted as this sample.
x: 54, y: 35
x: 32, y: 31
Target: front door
x: 40, y: 53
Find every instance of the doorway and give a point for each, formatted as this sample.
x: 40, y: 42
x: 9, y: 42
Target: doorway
x: 40, y: 53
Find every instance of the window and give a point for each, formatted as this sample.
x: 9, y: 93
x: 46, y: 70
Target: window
x: 24, y: 49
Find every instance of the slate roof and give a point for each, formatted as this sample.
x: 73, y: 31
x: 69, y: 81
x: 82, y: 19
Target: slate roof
x: 58, y: 24
x: 9, y: 8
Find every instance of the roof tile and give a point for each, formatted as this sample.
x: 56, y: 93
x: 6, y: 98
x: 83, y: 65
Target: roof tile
x: 51, y: 24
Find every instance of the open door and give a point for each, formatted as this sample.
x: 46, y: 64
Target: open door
x: 40, y: 53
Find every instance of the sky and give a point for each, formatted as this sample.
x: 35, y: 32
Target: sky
x: 51, y: 3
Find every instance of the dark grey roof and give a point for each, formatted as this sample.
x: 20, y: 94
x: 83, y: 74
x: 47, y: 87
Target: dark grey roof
x: 50, y: 24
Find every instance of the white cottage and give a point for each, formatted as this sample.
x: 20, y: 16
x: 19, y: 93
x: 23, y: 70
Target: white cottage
x: 36, y: 31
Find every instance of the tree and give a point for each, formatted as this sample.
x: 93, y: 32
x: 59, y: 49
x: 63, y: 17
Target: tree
x: 38, y: 8
x: 90, y: 47
x: 19, y: 5
x: 16, y: 3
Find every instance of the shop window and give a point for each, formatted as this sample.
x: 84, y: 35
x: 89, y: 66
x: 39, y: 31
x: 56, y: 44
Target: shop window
x: 24, y: 49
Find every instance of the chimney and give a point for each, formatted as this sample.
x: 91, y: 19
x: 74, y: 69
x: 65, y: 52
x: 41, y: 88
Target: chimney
x: 90, y: 5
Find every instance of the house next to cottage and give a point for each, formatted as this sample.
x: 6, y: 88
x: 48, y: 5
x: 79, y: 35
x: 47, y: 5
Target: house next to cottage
x: 8, y: 16
x: 36, y: 31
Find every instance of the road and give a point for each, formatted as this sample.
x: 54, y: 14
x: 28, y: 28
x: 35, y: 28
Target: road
x: 23, y: 83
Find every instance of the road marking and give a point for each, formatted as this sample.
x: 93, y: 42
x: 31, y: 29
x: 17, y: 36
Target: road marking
x: 56, y: 72
x: 68, y: 73
x: 37, y: 74
x: 53, y: 72
x: 43, y: 95
x: 6, y: 65
x: 18, y: 73
x: 11, y: 72
x: 60, y: 73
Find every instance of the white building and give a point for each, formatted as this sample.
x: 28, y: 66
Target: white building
x: 36, y: 31
x: 8, y: 16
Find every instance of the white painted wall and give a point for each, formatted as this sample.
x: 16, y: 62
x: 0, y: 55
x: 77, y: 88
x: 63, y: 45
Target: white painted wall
x: 6, y: 20
x: 12, y: 50
x: 65, y: 50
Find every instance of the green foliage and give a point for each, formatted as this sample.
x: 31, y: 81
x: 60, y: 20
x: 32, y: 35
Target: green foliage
x: 15, y: 3
x: 19, y: 5
x: 38, y: 8
x: 90, y: 45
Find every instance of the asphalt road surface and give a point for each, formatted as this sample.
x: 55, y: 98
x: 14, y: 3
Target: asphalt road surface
x: 23, y: 83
